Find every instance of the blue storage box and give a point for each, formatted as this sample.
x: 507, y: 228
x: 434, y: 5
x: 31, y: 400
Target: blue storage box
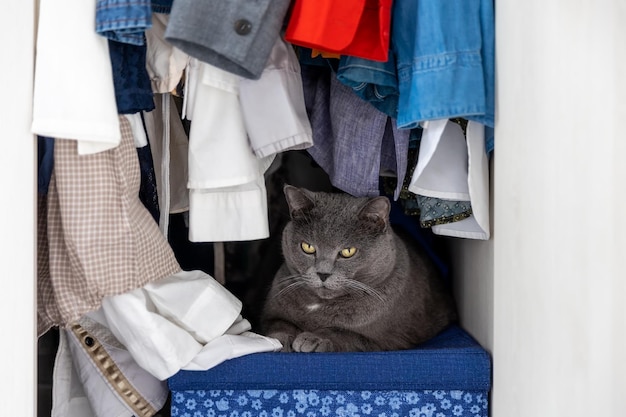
x: 449, y: 375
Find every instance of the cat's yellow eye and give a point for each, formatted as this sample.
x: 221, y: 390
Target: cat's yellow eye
x: 307, y: 248
x: 347, y: 252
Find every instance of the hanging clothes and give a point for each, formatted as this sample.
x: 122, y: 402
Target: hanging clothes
x: 354, y: 142
x: 430, y: 210
x: 237, y: 128
x: 446, y: 70
x: 101, y: 239
x: 454, y: 166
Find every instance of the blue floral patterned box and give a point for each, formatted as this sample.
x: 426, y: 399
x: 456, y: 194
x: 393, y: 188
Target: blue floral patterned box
x: 448, y: 376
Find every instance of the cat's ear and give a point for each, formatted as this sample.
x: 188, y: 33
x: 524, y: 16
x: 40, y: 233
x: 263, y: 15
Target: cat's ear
x: 299, y: 200
x: 375, y: 213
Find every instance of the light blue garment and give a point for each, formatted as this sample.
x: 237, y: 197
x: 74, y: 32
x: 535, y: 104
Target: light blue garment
x: 375, y: 82
x: 441, y: 65
x: 123, y: 20
x: 445, y: 60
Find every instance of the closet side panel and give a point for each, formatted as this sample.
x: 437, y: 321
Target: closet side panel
x: 560, y: 199
x: 17, y: 212
x: 472, y: 264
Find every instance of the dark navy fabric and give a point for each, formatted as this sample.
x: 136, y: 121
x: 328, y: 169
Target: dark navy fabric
x: 424, y: 237
x: 451, y: 361
x: 45, y: 158
x: 161, y: 6
x: 133, y: 90
x: 148, y: 188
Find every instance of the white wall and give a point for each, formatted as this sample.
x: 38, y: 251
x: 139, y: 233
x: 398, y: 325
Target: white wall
x: 17, y: 213
x: 551, y: 305
x: 560, y: 201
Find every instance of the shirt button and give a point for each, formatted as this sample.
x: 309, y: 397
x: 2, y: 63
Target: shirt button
x: 89, y: 341
x: 243, y: 26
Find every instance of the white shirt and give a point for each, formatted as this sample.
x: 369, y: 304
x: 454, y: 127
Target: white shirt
x: 74, y: 97
x: 238, y: 126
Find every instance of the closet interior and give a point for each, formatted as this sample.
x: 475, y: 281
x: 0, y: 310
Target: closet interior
x: 168, y: 170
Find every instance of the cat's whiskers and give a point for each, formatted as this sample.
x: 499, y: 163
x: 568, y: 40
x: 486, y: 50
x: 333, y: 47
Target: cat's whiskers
x: 296, y: 281
x: 357, y: 285
x: 293, y: 277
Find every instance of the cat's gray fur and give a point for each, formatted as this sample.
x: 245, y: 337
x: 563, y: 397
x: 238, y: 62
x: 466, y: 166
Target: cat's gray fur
x: 387, y: 296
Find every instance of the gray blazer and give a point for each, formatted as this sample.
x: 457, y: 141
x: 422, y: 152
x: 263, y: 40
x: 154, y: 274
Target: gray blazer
x: 234, y: 35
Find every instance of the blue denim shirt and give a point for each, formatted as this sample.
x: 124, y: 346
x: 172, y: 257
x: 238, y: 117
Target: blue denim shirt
x: 445, y: 60
x: 441, y: 64
x: 123, y: 20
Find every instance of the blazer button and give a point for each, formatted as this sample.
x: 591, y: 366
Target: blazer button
x: 243, y: 26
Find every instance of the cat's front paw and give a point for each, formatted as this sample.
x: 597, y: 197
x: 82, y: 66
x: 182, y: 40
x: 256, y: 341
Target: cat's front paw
x: 310, y: 342
x: 284, y: 338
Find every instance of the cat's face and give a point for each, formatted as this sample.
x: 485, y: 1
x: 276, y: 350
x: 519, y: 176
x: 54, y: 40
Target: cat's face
x: 336, y: 244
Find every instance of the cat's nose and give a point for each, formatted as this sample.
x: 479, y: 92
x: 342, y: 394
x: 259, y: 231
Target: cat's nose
x: 323, y: 276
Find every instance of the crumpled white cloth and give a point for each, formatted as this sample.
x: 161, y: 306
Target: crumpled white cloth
x: 455, y: 167
x: 230, y: 346
x: 187, y: 319
x: 74, y: 97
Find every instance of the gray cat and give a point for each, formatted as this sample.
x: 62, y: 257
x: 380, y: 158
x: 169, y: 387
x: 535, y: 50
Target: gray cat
x: 349, y: 282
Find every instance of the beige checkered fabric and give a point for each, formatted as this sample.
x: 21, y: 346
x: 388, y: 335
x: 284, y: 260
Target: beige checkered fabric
x: 101, y: 239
